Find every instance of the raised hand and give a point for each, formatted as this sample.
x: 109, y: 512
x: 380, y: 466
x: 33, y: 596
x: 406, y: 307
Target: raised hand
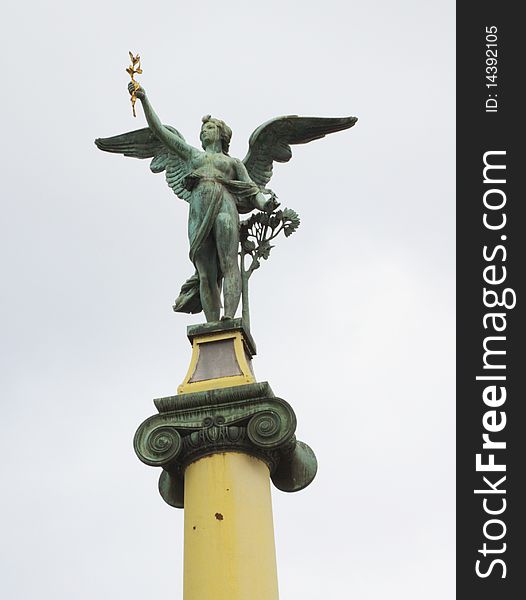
x: 139, y: 92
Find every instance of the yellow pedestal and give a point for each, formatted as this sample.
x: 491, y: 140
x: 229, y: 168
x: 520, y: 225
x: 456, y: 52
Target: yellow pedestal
x: 218, y: 360
x: 229, y: 551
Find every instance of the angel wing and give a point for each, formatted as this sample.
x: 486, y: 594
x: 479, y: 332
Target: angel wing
x: 142, y: 143
x: 271, y: 141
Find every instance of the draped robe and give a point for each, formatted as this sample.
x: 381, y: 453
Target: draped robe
x: 244, y: 194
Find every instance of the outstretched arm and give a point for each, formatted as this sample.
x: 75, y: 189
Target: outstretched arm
x: 261, y: 201
x: 172, y: 141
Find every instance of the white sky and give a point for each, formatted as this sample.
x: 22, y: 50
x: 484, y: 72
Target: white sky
x: 353, y: 315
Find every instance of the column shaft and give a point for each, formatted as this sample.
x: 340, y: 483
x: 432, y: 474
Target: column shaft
x: 229, y: 551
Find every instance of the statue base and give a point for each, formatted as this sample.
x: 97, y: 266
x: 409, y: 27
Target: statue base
x: 221, y: 356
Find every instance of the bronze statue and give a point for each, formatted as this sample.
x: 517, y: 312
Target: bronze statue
x: 218, y: 188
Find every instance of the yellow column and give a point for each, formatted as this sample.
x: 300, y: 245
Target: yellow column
x: 229, y: 551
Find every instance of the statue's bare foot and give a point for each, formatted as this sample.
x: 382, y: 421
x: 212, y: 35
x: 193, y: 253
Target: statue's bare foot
x: 226, y: 318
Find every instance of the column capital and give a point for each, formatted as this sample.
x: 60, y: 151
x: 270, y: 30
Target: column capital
x: 243, y: 418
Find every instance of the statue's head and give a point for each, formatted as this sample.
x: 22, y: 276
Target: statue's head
x: 215, y: 129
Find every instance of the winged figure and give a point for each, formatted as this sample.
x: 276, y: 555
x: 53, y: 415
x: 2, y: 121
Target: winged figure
x: 218, y: 188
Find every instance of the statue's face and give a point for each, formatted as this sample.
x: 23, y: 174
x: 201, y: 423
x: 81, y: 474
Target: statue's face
x: 209, y: 133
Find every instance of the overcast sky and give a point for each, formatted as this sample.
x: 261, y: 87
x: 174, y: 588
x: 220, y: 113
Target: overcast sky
x: 353, y: 315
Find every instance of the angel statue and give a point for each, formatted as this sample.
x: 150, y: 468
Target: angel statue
x: 218, y: 188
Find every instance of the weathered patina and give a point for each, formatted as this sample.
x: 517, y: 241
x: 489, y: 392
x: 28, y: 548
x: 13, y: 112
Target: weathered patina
x: 246, y: 418
x: 218, y: 189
